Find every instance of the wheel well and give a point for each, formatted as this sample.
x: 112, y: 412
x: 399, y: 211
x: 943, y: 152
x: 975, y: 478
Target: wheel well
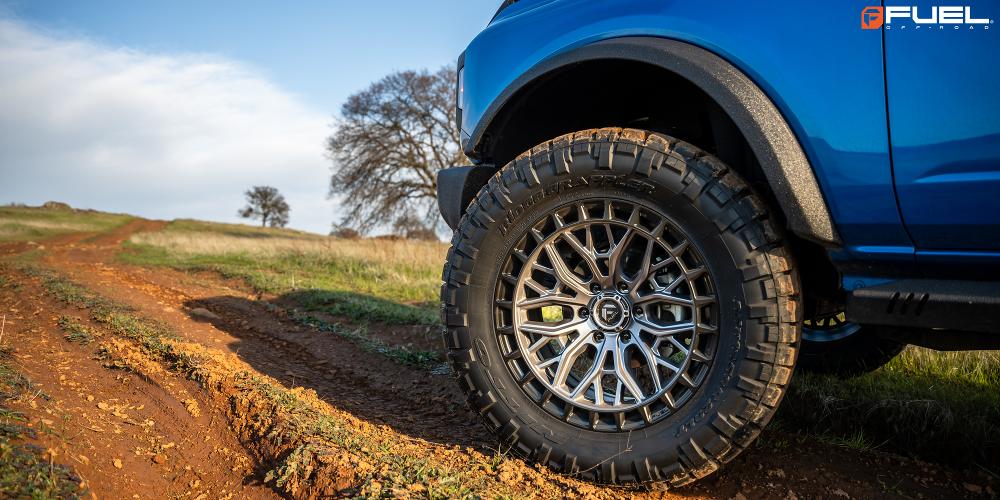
x: 627, y: 93
x: 617, y: 93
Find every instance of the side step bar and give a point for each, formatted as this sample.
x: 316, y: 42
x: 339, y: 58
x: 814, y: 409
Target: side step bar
x: 971, y: 306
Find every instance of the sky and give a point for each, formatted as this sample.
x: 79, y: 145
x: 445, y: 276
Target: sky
x: 172, y: 109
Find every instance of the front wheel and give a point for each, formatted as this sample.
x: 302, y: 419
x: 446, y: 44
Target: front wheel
x: 620, y: 306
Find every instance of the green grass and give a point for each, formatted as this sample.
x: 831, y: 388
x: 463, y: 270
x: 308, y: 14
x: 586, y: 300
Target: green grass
x: 30, y: 223
x: 395, y: 282
x: 937, y: 406
x: 119, y: 319
x: 76, y: 331
x: 361, y: 307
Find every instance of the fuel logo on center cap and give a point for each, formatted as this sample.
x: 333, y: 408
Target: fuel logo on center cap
x: 611, y: 312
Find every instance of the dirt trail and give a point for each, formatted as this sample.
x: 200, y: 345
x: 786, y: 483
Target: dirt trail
x: 125, y: 435
x: 409, y: 401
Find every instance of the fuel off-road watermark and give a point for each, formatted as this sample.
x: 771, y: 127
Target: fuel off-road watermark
x: 944, y: 17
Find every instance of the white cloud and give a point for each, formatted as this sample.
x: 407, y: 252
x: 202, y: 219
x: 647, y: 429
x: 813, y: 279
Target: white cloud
x: 160, y: 136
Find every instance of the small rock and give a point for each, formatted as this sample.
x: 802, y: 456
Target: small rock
x: 192, y: 407
x: 973, y: 488
x: 739, y: 496
x: 104, y: 406
x: 202, y: 313
x: 160, y: 458
x: 840, y: 493
x: 117, y: 463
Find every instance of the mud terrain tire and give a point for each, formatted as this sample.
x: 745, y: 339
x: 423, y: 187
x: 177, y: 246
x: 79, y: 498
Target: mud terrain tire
x: 757, y: 293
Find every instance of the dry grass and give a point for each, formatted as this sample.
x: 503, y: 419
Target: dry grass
x: 30, y: 223
x: 394, y: 281
x: 973, y: 368
x: 409, y: 253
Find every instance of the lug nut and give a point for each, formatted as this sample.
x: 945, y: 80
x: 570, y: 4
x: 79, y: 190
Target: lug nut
x: 595, y: 287
x: 598, y: 336
x: 584, y: 312
x: 622, y: 287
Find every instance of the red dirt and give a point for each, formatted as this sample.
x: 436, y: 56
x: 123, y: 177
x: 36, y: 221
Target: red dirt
x: 207, y: 455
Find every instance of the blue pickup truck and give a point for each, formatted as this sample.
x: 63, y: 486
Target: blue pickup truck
x: 672, y: 205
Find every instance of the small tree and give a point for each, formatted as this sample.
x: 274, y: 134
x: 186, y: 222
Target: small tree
x: 344, y: 233
x: 268, y: 205
x: 389, y: 143
x: 412, y: 228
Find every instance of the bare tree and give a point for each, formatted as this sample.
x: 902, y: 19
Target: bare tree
x: 390, y: 142
x: 268, y: 205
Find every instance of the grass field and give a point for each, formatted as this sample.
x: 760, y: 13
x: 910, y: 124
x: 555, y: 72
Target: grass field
x: 393, y: 281
x: 942, y: 407
x: 27, y: 223
x: 938, y: 406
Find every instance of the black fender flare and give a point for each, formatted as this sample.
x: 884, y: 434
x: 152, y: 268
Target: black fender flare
x: 772, y: 140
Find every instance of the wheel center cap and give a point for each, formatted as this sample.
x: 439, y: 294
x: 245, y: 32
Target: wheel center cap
x: 611, y: 312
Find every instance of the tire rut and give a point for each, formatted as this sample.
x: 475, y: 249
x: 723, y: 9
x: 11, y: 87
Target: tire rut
x: 121, y: 426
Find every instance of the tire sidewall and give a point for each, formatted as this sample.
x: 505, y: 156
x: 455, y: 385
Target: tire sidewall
x: 723, y: 254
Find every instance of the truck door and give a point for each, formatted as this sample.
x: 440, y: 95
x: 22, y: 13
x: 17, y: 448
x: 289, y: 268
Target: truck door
x: 943, y: 83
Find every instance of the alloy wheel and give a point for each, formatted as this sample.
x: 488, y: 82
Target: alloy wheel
x: 606, y: 314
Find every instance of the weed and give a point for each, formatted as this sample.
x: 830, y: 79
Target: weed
x: 24, y: 471
x: 12, y: 382
x: 76, y: 331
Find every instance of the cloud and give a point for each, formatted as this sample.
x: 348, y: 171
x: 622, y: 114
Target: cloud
x: 156, y: 135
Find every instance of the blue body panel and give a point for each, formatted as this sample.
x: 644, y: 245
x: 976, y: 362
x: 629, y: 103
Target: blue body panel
x: 822, y: 71
x: 944, y: 113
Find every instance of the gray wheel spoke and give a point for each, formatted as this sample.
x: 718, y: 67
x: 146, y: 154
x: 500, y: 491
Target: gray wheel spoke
x: 555, y: 299
x: 586, y: 252
x: 616, y: 253
x: 646, y: 269
x: 624, y: 375
x: 552, y: 329
x: 563, y: 274
x: 566, y: 359
x: 659, y: 330
x: 633, y: 335
x: 663, y: 297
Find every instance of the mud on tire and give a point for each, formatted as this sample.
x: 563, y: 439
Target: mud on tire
x: 752, y: 290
